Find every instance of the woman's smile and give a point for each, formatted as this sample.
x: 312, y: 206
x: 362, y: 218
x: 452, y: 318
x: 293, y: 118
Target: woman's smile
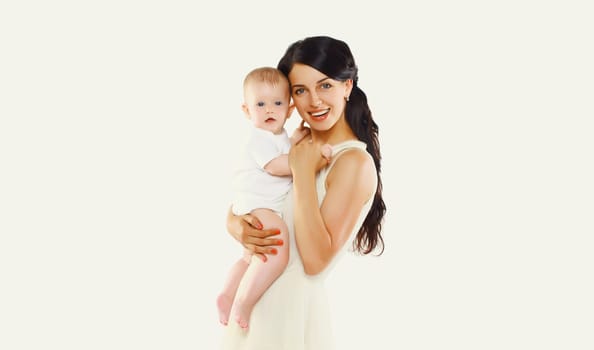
x: 320, y: 114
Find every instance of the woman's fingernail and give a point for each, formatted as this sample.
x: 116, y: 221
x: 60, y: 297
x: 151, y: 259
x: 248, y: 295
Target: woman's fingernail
x: 277, y: 232
x: 258, y: 226
x: 280, y: 242
x: 273, y: 251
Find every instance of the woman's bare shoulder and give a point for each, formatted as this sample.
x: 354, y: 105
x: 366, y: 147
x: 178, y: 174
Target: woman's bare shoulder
x: 354, y: 168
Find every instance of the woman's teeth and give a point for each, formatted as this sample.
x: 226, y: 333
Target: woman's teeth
x: 319, y: 114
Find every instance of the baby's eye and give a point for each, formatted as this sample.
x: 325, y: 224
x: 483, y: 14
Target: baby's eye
x: 278, y: 103
x: 260, y: 104
x: 299, y: 91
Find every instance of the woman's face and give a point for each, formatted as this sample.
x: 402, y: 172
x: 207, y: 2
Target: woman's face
x: 319, y: 99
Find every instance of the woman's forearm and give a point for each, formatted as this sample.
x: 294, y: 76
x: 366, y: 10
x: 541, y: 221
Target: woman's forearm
x: 313, y: 239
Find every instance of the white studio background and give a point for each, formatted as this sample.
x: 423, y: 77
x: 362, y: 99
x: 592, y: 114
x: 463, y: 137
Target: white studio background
x: 118, y: 126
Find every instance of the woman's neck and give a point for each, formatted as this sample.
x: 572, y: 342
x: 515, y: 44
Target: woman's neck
x: 340, y: 132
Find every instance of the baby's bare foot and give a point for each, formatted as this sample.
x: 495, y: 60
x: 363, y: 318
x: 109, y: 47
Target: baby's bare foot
x: 242, y: 313
x: 224, y: 303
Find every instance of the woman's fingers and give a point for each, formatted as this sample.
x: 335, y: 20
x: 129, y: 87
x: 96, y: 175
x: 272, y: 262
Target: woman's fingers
x: 262, y: 246
x: 254, y: 236
x: 255, y: 229
x: 304, y: 130
x: 257, y: 249
x: 262, y: 239
x: 252, y: 221
x: 259, y: 234
x: 298, y: 135
x: 259, y: 241
x: 261, y: 252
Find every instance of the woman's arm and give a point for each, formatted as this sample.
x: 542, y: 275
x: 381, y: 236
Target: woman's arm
x: 247, y: 230
x: 320, y: 232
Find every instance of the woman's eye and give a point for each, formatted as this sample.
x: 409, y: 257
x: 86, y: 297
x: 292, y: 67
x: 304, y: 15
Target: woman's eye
x: 298, y: 91
x: 260, y: 104
x: 326, y: 86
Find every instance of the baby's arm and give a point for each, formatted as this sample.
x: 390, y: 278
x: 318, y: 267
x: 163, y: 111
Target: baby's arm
x: 279, y: 166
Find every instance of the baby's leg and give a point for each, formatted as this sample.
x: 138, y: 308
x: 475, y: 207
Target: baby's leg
x: 225, y: 299
x: 262, y: 275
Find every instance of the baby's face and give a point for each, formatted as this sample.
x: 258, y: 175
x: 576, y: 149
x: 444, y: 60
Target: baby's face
x: 268, y: 105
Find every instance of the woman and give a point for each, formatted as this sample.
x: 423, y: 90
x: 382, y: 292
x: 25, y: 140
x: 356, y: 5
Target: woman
x: 331, y: 206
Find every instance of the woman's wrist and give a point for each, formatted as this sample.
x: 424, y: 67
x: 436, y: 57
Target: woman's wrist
x: 303, y: 181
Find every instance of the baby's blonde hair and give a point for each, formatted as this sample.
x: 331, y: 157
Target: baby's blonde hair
x: 268, y: 75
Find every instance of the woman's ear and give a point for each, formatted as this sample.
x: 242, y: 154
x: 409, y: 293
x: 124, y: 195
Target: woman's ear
x: 349, y: 87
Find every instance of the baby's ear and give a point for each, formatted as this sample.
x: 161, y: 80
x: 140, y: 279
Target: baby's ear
x: 245, y: 110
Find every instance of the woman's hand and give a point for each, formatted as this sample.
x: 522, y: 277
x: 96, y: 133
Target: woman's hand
x: 308, y: 157
x: 247, y: 230
x: 299, y: 133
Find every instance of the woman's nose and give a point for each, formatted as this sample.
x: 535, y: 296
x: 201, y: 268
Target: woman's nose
x: 315, y: 100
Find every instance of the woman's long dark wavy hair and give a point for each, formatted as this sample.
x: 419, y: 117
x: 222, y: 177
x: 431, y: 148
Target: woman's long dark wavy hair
x: 334, y: 58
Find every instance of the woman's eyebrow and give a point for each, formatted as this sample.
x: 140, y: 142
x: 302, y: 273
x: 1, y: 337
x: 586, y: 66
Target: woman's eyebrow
x: 317, y: 82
